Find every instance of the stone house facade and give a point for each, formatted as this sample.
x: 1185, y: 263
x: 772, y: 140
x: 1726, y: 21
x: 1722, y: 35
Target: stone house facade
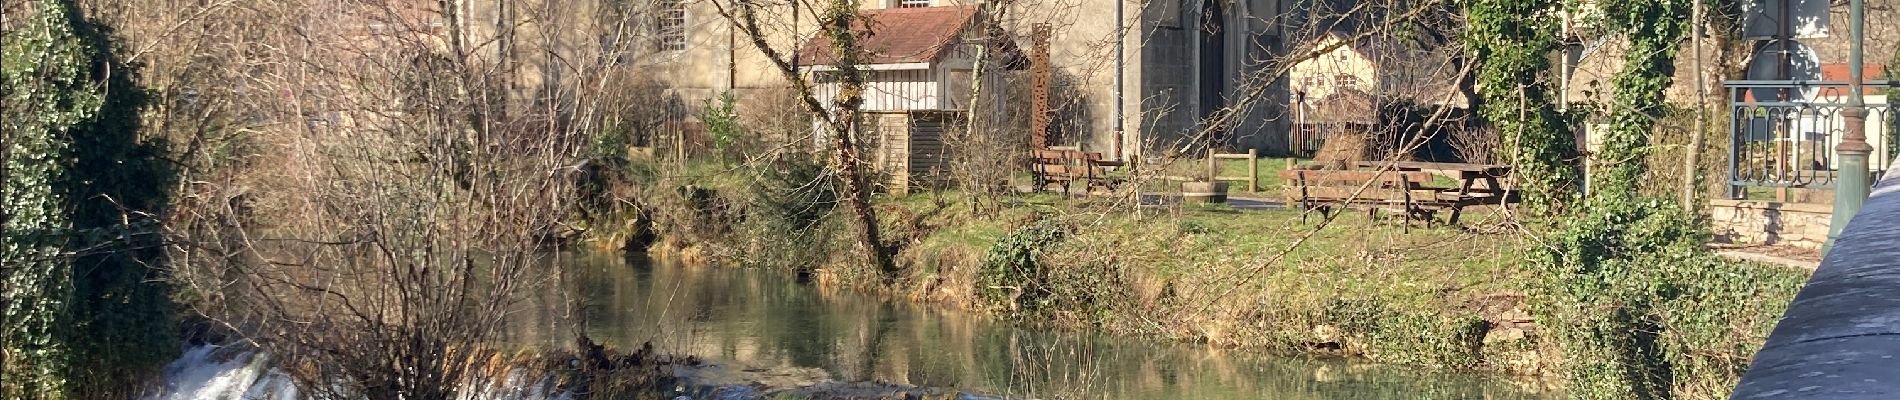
x: 1180, y: 63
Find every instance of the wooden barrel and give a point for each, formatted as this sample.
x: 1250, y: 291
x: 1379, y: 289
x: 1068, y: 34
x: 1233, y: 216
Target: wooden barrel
x: 1204, y: 192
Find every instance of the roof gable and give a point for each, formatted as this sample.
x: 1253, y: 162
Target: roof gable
x: 898, y: 35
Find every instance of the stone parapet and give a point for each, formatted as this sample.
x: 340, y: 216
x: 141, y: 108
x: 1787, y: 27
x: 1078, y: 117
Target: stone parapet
x: 1756, y: 222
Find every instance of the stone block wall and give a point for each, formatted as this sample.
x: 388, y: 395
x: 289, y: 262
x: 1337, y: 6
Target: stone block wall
x: 1770, y: 223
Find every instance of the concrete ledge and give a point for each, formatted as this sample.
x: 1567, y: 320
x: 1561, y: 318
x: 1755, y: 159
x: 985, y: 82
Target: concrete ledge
x: 1840, y: 338
x: 1768, y: 259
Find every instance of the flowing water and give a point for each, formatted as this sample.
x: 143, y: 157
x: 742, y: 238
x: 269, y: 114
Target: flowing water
x: 762, y: 329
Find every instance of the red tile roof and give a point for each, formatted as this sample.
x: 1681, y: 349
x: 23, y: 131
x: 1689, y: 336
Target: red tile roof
x: 1839, y: 72
x: 898, y: 35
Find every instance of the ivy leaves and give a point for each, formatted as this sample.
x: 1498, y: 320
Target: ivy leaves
x: 1613, y: 269
x: 1512, y: 40
x: 79, y: 193
x: 1012, y: 276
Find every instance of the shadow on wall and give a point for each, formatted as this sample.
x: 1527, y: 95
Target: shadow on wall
x: 1748, y: 222
x: 1073, y: 122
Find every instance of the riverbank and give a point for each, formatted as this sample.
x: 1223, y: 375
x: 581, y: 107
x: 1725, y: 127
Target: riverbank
x: 1462, y: 298
x: 754, y: 334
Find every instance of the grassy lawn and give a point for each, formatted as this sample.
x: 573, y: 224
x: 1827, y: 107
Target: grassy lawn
x: 1202, y: 241
x: 1353, y: 256
x: 1269, y: 174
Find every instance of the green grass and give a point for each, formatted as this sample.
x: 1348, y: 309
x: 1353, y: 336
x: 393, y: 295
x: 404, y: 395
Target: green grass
x: 1217, y: 275
x: 1270, y: 168
x: 1269, y: 174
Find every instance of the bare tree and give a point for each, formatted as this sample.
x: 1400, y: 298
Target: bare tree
x: 407, y: 167
x: 839, y: 24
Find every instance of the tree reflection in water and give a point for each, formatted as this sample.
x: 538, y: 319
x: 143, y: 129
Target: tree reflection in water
x: 758, y: 320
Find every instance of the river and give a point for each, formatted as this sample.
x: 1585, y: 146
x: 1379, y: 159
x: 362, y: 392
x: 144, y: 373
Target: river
x: 760, y: 320
x: 759, y: 326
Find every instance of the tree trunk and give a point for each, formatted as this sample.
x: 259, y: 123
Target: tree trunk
x: 1692, y: 164
x: 858, y: 194
x: 841, y: 118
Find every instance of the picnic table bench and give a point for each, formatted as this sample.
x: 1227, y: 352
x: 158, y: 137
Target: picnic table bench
x: 1405, y: 187
x: 1477, y: 180
x: 1065, y: 166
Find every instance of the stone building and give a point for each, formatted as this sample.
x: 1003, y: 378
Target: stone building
x: 1134, y: 78
x: 1180, y: 62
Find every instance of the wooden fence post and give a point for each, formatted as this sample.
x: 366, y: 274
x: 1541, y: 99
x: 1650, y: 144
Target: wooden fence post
x: 1212, y: 171
x: 1253, y: 170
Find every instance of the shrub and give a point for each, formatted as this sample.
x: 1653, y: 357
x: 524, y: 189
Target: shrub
x: 1012, y: 274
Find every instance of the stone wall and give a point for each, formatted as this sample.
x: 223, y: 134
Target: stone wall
x: 1770, y: 223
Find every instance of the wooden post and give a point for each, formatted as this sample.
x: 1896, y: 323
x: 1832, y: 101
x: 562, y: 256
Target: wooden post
x: 1253, y: 170
x: 679, y: 146
x: 1212, y: 171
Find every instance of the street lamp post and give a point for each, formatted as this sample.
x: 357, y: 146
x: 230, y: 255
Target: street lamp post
x: 1851, y: 190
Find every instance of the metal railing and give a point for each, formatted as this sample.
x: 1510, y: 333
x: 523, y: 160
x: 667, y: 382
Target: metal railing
x: 1305, y: 140
x: 1783, y: 133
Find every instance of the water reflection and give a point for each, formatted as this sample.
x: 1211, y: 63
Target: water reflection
x: 751, y: 319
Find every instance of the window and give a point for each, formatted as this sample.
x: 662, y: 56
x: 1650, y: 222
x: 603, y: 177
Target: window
x: 912, y: 3
x: 1167, y: 13
x: 672, y: 25
x: 1346, y: 80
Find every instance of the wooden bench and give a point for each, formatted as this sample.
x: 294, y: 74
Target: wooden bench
x: 1399, y: 191
x: 1050, y: 167
x: 1065, y: 166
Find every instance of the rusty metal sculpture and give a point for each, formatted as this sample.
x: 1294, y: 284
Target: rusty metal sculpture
x: 1039, y: 76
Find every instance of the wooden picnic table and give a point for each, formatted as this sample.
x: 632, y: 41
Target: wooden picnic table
x: 1405, y: 187
x: 1469, y: 177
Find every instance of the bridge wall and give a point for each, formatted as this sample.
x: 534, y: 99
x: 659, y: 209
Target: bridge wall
x: 1840, y: 338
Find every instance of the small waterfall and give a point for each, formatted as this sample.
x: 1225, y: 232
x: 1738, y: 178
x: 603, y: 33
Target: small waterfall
x: 210, y: 372
x: 218, y: 373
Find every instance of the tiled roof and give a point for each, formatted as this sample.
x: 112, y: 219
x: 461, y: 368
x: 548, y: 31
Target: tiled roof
x: 898, y: 35
x: 1839, y: 72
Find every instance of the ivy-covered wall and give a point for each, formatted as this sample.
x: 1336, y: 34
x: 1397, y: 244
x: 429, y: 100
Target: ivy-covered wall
x: 85, y: 314
x: 1619, y: 270
x: 1512, y: 40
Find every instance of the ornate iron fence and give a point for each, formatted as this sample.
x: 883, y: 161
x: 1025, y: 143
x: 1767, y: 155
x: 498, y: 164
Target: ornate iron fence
x: 1783, y: 133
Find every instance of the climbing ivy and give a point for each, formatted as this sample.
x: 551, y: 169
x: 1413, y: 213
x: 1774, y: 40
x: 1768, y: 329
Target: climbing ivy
x: 82, y: 316
x: 1613, y: 267
x: 36, y: 286
x: 1013, y: 277
x: 1654, y: 29
x: 1512, y: 41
